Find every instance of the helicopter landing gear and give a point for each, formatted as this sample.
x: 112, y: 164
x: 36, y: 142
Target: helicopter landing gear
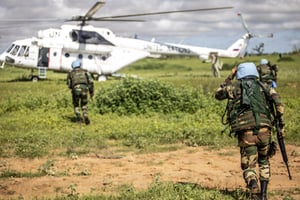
x: 42, y: 74
x: 34, y: 78
x: 101, y: 78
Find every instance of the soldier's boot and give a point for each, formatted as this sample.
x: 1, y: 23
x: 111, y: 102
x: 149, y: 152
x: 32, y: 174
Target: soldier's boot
x: 77, y: 113
x: 263, y: 190
x: 85, y: 115
x: 87, y: 120
x: 253, y: 186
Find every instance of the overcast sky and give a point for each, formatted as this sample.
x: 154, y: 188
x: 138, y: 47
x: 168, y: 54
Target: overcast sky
x: 217, y: 29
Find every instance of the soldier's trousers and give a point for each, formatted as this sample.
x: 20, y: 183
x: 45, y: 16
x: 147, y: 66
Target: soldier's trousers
x: 80, y: 100
x: 254, y: 149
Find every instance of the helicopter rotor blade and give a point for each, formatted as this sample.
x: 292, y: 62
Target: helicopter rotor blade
x: 89, y: 14
x: 264, y: 36
x: 94, y: 9
x: 161, y: 13
x: 244, y: 22
x: 117, y: 20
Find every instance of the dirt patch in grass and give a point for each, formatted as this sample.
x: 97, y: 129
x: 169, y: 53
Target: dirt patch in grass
x: 105, y: 172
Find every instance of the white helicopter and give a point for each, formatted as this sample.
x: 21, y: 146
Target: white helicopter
x: 100, y: 50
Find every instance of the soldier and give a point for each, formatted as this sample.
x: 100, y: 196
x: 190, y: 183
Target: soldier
x: 215, y: 65
x: 249, y: 117
x: 267, y: 73
x: 81, y: 83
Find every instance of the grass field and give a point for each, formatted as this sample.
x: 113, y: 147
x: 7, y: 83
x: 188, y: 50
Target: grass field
x: 37, y: 119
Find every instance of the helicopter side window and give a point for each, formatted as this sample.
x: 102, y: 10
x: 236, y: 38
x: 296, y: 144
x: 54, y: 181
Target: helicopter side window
x: 89, y: 37
x: 15, y: 50
x: 26, y: 53
x: 22, y: 51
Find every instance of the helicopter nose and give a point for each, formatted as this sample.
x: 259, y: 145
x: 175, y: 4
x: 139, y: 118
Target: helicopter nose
x: 2, y: 57
x: 2, y: 60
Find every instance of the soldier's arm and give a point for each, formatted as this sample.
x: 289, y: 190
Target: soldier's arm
x: 90, y: 83
x: 225, y: 89
x: 69, y: 80
x: 278, y: 106
x: 231, y: 76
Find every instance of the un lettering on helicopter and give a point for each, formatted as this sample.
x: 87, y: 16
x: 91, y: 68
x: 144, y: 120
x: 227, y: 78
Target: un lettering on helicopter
x: 99, y: 49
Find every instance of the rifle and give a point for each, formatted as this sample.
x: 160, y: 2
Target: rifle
x: 281, y: 142
x: 278, y: 129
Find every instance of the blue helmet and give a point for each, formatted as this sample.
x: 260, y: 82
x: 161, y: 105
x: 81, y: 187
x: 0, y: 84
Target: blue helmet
x: 264, y: 61
x: 76, y: 63
x: 246, y: 69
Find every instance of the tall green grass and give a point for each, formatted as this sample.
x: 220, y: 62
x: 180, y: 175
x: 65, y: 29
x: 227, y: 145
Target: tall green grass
x: 37, y: 117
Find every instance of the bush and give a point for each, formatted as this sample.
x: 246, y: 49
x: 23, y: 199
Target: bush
x: 135, y: 96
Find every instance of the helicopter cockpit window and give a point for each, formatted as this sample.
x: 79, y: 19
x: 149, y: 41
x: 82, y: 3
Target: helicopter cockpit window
x: 10, y: 48
x: 15, y: 50
x: 89, y: 37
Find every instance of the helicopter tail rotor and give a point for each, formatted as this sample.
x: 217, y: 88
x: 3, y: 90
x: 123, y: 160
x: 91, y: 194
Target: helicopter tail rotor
x: 251, y: 35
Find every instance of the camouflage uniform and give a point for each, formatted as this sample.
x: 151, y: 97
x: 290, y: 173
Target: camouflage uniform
x: 214, y: 66
x: 252, y: 128
x: 267, y: 72
x: 268, y: 75
x: 81, y: 83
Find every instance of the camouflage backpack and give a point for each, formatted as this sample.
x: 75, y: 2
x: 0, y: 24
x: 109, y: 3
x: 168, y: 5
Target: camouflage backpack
x: 78, y: 76
x: 249, y: 108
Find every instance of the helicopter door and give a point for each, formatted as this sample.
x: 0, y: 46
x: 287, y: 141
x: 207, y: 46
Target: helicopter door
x: 43, y: 57
x: 55, y: 58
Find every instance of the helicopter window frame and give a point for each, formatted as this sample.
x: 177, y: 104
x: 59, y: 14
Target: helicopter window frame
x: 89, y: 37
x: 26, y: 53
x: 23, y: 50
x: 15, y: 50
x: 10, y: 48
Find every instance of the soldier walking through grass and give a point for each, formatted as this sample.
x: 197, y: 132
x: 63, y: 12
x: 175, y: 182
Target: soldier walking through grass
x: 250, y: 119
x: 81, y: 83
x: 215, y: 65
